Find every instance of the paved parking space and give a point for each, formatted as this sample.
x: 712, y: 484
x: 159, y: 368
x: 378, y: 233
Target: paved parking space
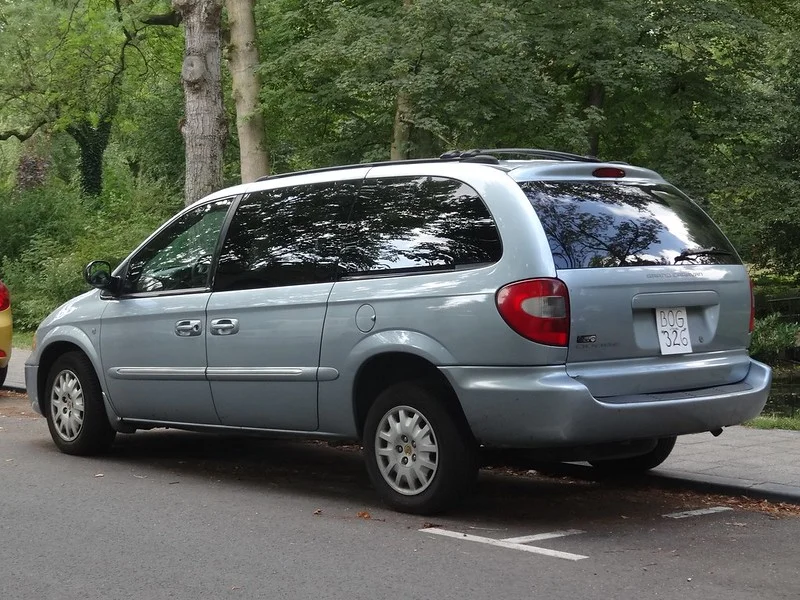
x: 202, y: 515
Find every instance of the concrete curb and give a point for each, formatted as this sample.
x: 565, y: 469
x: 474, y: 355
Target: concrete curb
x: 713, y: 484
x: 698, y: 482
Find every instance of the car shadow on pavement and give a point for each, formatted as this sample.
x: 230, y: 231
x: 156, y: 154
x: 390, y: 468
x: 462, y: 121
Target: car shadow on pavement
x: 324, y: 473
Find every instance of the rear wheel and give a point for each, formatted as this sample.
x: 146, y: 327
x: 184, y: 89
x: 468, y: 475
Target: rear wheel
x: 419, y: 455
x: 3, y: 373
x: 635, y: 465
x: 74, y: 407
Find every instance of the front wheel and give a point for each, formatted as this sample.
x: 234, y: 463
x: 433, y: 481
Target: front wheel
x: 636, y: 465
x: 419, y: 455
x: 74, y: 407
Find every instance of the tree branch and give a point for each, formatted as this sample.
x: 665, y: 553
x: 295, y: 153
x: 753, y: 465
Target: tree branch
x: 171, y: 18
x: 22, y: 134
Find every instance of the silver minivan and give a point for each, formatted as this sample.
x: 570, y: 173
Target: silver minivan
x: 429, y: 309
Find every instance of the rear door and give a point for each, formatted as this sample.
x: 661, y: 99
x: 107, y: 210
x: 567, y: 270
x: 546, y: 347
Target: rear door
x: 275, y: 274
x: 659, y: 298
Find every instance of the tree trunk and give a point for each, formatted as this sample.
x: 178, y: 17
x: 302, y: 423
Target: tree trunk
x: 92, y: 142
x: 596, y: 99
x: 203, y: 128
x: 243, y: 59
x: 401, y: 134
x: 402, y: 128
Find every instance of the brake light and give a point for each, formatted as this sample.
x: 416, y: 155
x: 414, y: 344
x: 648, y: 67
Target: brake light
x: 537, y: 309
x: 5, y: 297
x: 608, y: 172
x: 752, y: 308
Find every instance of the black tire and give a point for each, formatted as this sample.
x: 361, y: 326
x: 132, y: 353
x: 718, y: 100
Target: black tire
x: 3, y: 373
x: 636, y: 465
x: 94, y: 434
x: 455, y: 458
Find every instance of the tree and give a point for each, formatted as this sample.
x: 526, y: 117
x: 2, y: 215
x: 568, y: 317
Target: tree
x: 204, y: 127
x: 68, y: 66
x: 352, y: 80
x: 401, y: 131
x: 244, y: 62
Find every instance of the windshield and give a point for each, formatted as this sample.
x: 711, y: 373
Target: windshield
x: 608, y: 224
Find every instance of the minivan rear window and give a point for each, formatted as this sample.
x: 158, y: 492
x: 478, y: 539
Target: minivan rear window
x: 603, y: 224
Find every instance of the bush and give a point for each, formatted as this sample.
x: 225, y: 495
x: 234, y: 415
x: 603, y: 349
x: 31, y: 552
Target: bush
x: 772, y: 337
x: 43, y: 264
x: 54, y: 211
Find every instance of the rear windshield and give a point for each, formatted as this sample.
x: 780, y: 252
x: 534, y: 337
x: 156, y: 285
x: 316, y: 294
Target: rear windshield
x: 604, y: 224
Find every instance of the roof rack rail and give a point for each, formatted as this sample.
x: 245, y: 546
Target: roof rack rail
x: 379, y: 163
x: 547, y: 154
x: 474, y: 155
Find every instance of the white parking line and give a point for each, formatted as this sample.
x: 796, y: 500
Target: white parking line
x: 503, y: 544
x: 697, y: 513
x: 538, y: 537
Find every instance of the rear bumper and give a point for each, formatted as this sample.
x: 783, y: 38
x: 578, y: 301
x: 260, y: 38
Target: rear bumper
x: 541, y: 407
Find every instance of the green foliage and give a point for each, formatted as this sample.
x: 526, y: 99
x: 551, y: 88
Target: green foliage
x: 333, y: 72
x: 707, y: 92
x: 53, y: 213
x: 772, y: 337
x: 47, y: 269
x: 76, y: 67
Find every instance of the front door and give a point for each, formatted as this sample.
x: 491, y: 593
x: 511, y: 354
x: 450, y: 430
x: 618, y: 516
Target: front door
x: 153, y: 336
x: 265, y: 316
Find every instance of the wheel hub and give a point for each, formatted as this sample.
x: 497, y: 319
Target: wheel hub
x: 67, y: 405
x: 406, y: 450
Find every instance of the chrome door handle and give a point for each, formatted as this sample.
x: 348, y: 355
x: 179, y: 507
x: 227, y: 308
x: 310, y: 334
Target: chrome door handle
x: 188, y: 328
x: 224, y: 326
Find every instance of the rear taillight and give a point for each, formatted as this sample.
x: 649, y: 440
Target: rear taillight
x: 752, y: 308
x: 5, y: 297
x: 537, y: 309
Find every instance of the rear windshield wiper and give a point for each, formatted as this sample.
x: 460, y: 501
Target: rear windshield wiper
x: 688, y: 254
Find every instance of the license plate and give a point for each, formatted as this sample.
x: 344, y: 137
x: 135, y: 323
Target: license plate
x: 673, y: 330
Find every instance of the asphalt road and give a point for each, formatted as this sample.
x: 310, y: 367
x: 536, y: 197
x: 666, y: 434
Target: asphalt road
x: 180, y: 515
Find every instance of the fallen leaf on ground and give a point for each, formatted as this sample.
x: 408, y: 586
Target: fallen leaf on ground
x: 363, y: 515
x: 318, y: 511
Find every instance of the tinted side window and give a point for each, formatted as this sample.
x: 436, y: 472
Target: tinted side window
x: 287, y: 236
x: 591, y: 225
x: 411, y: 224
x: 180, y: 256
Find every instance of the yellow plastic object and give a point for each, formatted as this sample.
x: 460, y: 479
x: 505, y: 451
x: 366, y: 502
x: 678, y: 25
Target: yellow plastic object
x: 5, y: 336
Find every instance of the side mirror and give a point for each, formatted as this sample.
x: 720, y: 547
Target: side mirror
x: 98, y: 275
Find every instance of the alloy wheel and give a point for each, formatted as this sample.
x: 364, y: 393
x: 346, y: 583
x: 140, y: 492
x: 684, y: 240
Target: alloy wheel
x: 67, y: 405
x: 406, y: 450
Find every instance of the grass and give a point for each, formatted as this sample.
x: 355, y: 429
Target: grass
x: 768, y: 421
x: 22, y: 339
